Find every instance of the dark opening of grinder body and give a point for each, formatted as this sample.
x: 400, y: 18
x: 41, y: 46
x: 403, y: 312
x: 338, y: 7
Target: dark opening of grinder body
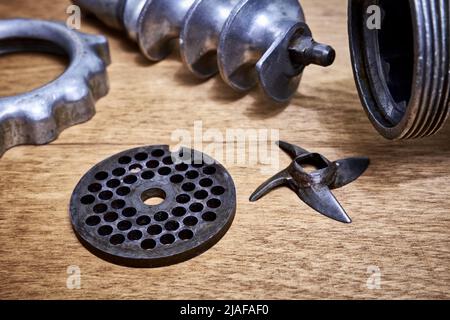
x: 400, y: 59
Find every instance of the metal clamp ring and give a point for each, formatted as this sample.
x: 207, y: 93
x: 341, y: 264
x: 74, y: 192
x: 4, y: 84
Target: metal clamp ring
x: 38, y: 116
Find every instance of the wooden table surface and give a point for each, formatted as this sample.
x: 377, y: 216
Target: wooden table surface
x: 277, y: 247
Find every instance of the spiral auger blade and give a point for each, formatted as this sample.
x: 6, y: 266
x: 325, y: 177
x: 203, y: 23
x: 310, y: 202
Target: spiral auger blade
x: 247, y: 41
x: 200, y: 36
x: 161, y: 22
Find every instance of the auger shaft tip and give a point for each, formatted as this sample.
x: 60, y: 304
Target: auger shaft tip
x: 306, y: 51
x: 322, y: 54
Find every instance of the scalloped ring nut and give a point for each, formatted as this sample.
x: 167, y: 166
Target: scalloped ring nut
x: 38, y: 116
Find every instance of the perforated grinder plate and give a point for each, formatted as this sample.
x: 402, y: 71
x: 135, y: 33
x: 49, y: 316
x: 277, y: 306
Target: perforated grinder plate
x: 112, y: 216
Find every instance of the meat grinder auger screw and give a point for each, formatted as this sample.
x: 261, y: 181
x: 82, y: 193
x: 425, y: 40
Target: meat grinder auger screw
x: 244, y: 40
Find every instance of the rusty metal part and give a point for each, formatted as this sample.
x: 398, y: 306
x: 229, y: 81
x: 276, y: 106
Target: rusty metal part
x: 112, y: 218
x: 315, y: 188
x: 248, y: 41
x: 38, y: 116
x: 402, y: 69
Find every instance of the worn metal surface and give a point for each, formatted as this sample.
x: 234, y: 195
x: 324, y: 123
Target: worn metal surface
x: 402, y: 70
x: 313, y: 188
x: 109, y: 12
x: 248, y: 41
x: 38, y: 116
x: 111, y: 217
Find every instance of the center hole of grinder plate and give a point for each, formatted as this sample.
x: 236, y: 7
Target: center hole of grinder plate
x: 153, y: 197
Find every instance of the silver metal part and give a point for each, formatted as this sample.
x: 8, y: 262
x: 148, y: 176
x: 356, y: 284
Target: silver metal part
x: 258, y: 32
x: 110, y: 12
x: 314, y: 188
x: 248, y: 41
x: 200, y: 37
x: 38, y: 116
x: 160, y: 22
x: 402, y: 69
x: 132, y: 12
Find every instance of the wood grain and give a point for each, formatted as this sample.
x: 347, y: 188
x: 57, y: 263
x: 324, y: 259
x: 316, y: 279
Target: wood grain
x: 277, y: 247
